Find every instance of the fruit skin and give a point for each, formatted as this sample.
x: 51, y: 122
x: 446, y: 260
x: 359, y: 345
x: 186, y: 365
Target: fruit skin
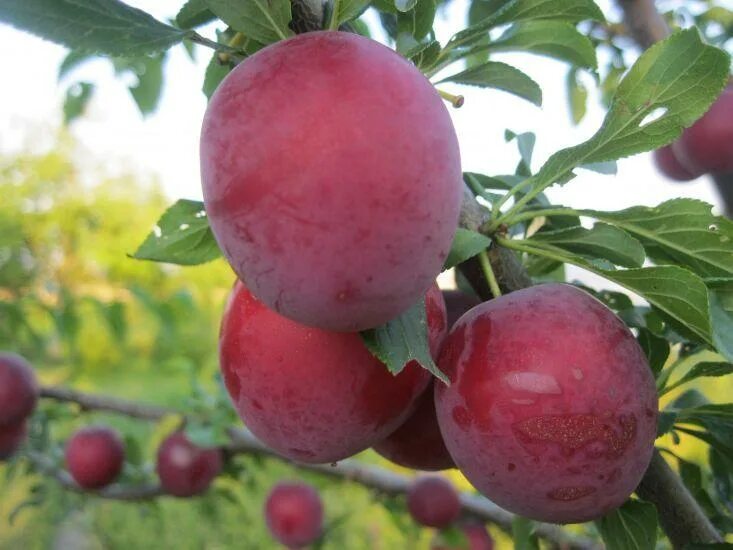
x: 668, y: 164
x: 332, y: 179
x: 418, y: 443
x: 184, y: 469
x: 95, y: 456
x: 294, y: 514
x: 707, y: 145
x: 18, y: 389
x: 312, y: 395
x: 11, y: 438
x: 552, y: 409
x: 432, y: 501
x: 457, y: 303
x: 477, y: 537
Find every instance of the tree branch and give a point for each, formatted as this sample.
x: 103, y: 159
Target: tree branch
x: 243, y: 441
x: 681, y: 517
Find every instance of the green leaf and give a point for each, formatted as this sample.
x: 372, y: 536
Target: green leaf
x: 402, y: 340
x: 677, y: 292
x: 570, y: 11
x: 466, y: 244
x: 722, y: 321
x: 655, y: 348
x: 76, y: 100
x: 181, y: 237
x: 577, y: 96
x: 349, y: 9
x: 680, y: 231
x: 265, y: 21
x: 523, y: 534
x: 702, y: 370
x: 424, y: 55
x: 556, y: 39
x: 501, y: 76
x: 72, y: 60
x: 194, y: 13
x: 93, y: 26
x: 215, y: 73
x: 633, y: 526
x: 602, y: 241
x: 148, y: 70
x: 675, y: 80
x: 418, y: 22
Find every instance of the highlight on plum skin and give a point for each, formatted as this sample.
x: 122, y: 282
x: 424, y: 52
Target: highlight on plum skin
x: 313, y: 395
x: 333, y: 187
x: 294, y: 514
x: 552, y: 408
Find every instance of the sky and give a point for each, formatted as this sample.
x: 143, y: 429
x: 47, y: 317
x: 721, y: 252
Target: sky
x: 114, y: 135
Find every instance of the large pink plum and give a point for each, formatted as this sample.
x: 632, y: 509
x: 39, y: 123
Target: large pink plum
x: 552, y: 408
x: 18, y: 389
x: 314, y: 395
x: 332, y: 179
x: 95, y: 456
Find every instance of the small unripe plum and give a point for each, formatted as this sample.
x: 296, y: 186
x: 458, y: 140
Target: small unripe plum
x: 552, y: 408
x: 432, y: 501
x: 185, y: 469
x: 332, y: 179
x: 707, y: 145
x: 11, y: 438
x: 94, y: 456
x: 294, y: 514
x: 667, y: 163
x: 418, y: 443
x: 18, y: 389
x: 457, y: 303
x: 314, y: 395
x: 476, y: 535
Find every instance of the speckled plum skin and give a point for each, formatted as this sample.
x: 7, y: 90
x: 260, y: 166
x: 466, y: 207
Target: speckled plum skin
x: 11, y: 438
x: 332, y: 180
x: 294, y: 514
x: 18, y: 389
x: 667, y: 163
x: 432, y: 501
x: 313, y: 395
x: 552, y: 409
x: 477, y: 537
x: 418, y: 443
x: 94, y: 456
x: 185, y: 469
x: 706, y: 147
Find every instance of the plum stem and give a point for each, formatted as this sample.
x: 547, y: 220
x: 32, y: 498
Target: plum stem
x: 456, y: 101
x: 483, y: 259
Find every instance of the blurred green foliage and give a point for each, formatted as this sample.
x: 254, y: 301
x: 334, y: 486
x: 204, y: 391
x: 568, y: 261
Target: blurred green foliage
x: 88, y: 316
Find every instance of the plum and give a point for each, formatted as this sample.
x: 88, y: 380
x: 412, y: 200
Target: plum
x: 668, y: 164
x: 11, y: 438
x: 185, y: 469
x: 552, y: 408
x: 95, y: 456
x: 313, y: 395
x: 331, y: 178
x: 18, y: 389
x: 707, y: 145
x: 418, y: 443
x: 294, y: 514
x: 432, y: 501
